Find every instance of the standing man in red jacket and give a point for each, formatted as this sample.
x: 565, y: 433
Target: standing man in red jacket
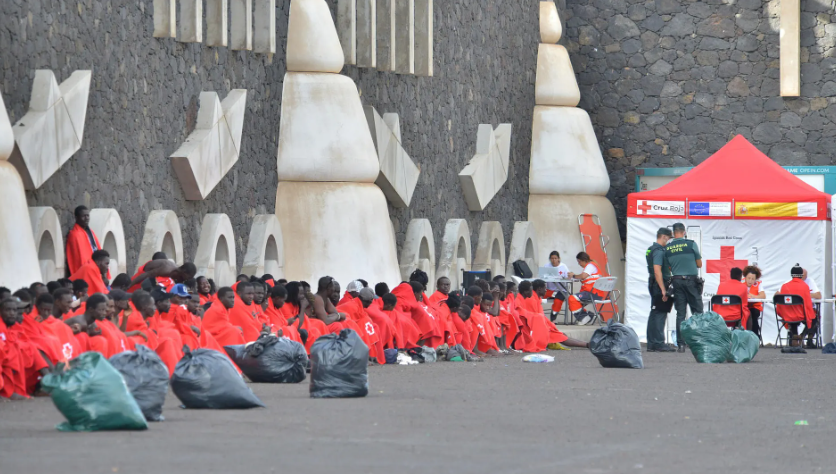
x: 81, y: 241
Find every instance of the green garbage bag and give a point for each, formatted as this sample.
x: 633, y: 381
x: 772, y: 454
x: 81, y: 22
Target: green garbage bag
x: 744, y: 346
x: 93, y: 396
x: 708, y: 337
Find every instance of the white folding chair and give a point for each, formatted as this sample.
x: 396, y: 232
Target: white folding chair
x: 605, y: 285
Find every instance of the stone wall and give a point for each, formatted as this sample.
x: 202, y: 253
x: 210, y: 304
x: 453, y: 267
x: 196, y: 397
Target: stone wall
x: 668, y: 82
x: 144, y: 102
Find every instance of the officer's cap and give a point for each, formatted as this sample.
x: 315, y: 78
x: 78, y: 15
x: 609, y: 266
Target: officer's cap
x: 679, y: 227
x: 664, y: 231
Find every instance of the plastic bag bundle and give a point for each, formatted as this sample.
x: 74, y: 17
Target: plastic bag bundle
x: 146, y: 376
x: 339, y: 366
x: 538, y: 358
x: 429, y: 354
x: 744, y: 346
x: 708, y: 337
x: 92, y: 395
x: 616, y: 345
x: 205, y: 378
x: 271, y: 359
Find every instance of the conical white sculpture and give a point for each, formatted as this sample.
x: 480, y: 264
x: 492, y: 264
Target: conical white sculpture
x: 335, y: 219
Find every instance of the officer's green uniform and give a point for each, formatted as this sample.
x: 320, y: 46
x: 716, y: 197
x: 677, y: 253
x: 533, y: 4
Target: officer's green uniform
x: 682, y: 255
x: 658, y: 309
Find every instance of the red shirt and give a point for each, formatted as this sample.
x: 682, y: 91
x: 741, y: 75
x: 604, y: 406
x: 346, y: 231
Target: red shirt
x: 733, y: 312
x: 804, y: 313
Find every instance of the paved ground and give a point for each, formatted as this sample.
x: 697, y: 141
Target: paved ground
x: 501, y: 416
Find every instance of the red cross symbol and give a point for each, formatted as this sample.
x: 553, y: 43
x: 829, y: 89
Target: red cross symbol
x: 643, y: 206
x: 725, y: 264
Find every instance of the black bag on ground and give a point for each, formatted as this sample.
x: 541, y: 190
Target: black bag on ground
x: 521, y: 269
x: 146, y: 377
x: 205, y: 378
x: 616, y: 345
x: 92, y: 396
x: 271, y: 359
x: 339, y: 366
x: 708, y: 337
x: 829, y: 348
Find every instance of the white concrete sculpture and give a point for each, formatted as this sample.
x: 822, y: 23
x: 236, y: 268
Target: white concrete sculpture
x: 107, y: 225
x: 555, y: 83
x: 323, y: 133
x: 18, y: 254
x: 49, y: 240
x: 213, y: 147
x: 405, y: 36
x: 490, y: 249
x: 487, y: 171
x: 339, y: 229
x: 424, y: 37
x: 456, y: 255
x: 565, y: 156
x: 386, y: 35
x: 550, y: 27
x: 241, y: 22
x: 162, y: 234
x: 165, y: 15
x: 264, y: 26
x: 191, y: 21
x: 215, y: 256
x: 7, y: 137
x: 265, y: 248
x: 347, y: 29
x: 366, y: 33
x: 418, y: 251
x: 523, y: 247
x: 52, y: 130
x: 398, y: 174
x: 312, y: 41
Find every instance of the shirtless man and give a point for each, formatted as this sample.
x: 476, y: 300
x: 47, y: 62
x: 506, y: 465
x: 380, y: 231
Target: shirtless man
x: 323, y: 307
x: 165, y: 269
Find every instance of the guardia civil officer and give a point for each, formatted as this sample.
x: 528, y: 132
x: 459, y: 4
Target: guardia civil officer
x: 685, y: 260
x: 659, y: 279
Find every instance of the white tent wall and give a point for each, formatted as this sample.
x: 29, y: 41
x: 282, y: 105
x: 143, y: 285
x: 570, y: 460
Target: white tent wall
x: 774, y: 245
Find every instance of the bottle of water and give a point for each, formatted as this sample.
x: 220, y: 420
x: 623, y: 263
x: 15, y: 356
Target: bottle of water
x: 673, y: 337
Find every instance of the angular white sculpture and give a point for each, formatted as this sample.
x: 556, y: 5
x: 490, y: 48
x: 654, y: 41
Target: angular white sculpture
x: 423, y: 37
x: 366, y: 33
x: 215, y: 256
x: 405, y: 36
x: 418, y: 251
x: 264, y: 26
x: 241, y: 22
x: 555, y: 83
x: 107, y: 225
x: 165, y: 15
x: 265, y: 248
x: 339, y: 229
x: 213, y: 147
x: 565, y: 156
x: 523, y: 247
x: 7, y: 137
x: 490, y: 249
x: 53, y: 128
x: 347, y: 29
x: 456, y: 255
x: 162, y: 234
x: 49, y: 240
x: 487, y: 171
x: 550, y: 27
x: 191, y: 21
x: 18, y: 253
x: 398, y: 174
x: 323, y: 133
x: 312, y: 41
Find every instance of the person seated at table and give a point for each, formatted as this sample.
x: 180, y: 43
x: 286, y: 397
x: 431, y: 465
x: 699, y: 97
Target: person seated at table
x: 588, y: 276
x: 558, y: 291
x: 734, y: 313
x: 815, y: 293
x: 752, y: 276
x: 795, y: 315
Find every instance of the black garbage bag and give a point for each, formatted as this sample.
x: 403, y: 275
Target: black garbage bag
x: 744, y: 346
x: 147, y: 378
x: 205, y: 378
x: 829, y: 348
x: 92, y: 395
x: 616, y: 345
x: 708, y: 337
x: 271, y: 359
x: 339, y: 366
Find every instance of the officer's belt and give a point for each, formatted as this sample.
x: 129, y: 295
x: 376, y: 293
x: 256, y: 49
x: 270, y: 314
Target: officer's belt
x: 685, y: 277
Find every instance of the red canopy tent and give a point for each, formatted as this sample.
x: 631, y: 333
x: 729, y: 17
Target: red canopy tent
x: 737, y: 173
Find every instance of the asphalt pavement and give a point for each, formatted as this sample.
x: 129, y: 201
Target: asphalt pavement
x: 500, y: 416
